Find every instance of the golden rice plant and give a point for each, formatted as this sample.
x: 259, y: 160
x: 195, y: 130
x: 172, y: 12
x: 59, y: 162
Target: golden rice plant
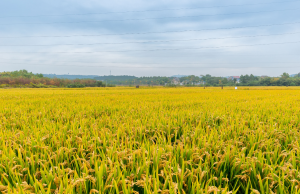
x: 150, y: 140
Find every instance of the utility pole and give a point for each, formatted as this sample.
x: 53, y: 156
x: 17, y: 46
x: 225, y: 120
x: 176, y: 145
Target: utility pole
x: 220, y: 83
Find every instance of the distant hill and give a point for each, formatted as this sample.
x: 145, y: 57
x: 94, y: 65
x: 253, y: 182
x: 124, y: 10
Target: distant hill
x: 179, y: 76
x: 115, y: 78
x: 70, y: 76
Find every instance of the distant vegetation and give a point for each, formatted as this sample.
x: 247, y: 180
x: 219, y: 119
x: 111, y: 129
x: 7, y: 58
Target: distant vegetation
x: 21, y: 73
x: 23, y: 78
x: 70, y: 76
x: 204, y: 80
x: 115, y: 78
x: 132, y: 80
x: 245, y: 80
x: 283, y: 80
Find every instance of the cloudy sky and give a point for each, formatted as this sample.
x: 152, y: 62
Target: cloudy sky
x: 150, y: 38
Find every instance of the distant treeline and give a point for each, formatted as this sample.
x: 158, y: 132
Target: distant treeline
x: 244, y: 80
x: 132, y: 80
x: 23, y: 78
x: 283, y: 80
x: 112, y: 78
x: 208, y: 80
x: 70, y: 76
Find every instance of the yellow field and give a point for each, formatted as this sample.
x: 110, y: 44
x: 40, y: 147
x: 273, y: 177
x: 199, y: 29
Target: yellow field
x: 150, y: 140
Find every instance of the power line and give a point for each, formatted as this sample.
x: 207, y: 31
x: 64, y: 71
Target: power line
x: 109, y: 62
x: 186, y: 63
x: 162, y: 32
x: 150, y: 18
x: 160, y: 41
x: 173, y: 9
x: 167, y: 49
x: 158, y: 67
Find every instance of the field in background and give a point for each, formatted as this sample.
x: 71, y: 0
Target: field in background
x: 150, y: 140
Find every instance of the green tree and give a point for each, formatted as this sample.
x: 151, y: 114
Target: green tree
x: 285, y: 75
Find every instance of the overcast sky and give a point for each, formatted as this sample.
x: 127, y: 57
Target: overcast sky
x: 150, y: 38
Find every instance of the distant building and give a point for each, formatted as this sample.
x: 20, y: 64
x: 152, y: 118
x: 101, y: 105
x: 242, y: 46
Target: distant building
x: 175, y: 81
x: 264, y: 76
x: 234, y: 77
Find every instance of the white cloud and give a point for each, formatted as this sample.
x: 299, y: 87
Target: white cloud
x: 230, y: 60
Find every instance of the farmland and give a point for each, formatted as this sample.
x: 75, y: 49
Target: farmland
x: 150, y: 140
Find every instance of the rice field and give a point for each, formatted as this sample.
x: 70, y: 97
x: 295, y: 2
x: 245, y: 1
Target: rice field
x: 150, y: 140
